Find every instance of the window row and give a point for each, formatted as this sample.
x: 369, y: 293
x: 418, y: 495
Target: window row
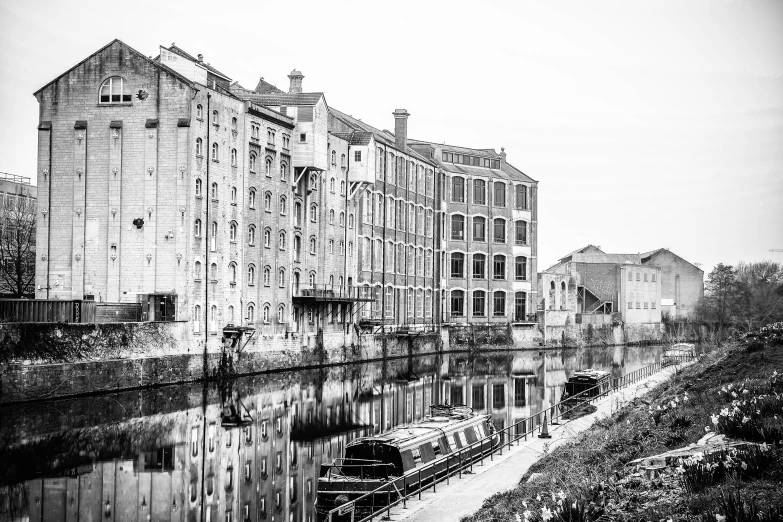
x: 249, y: 318
x: 459, y: 192
x: 648, y: 276
x: 398, y: 214
x: 479, y: 269
x: 396, y: 258
x: 396, y: 170
x: 479, y: 303
x: 475, y: 161
x: 410, y: 302
x: 479, y: 229
x: 647, y: 305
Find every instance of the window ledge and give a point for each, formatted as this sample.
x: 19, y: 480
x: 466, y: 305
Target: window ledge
x: 121, y: 104
x: 233, y: 204
x: 199, y: 197
x: 215, y: 161
x: 197, y: 280
x: 199, y: 156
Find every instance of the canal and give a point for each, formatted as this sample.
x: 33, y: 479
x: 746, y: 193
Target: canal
x: 251, y: 448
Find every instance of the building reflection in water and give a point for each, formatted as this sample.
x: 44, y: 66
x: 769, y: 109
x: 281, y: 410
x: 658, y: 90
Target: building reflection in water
x: 252, y: 452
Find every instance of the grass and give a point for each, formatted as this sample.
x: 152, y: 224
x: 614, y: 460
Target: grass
x: 590, y: 479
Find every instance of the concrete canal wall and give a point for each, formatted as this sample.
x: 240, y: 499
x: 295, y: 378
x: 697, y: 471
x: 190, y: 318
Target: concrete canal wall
x: 42, y: 360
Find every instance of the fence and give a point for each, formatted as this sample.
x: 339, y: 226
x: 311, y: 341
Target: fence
x: 46, y: 311
x: 521, y: 429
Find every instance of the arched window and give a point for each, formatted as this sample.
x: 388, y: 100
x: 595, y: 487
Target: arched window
x: 233, y: 157
x: 479, y: 266
x: 522, y: 197
x: 231, y: 314
x: 197, y: 270
x: 521, y: 232
x: 282, y: 240
x: 314, y: 182
x: 233, y: 195
x: 267, y: 237
x: 213, y: 272
x: 342, y: 161
x: 479, y: 192
x: 232, y: 231
x: 331, y: 217
x: 267, y: 276
x: 213, y: 318
x: 198, y: 187
x: 215, y: 150
x: 499, y: 303
x: 268, y: 166
x: 311, y: 279
x: 564, y: 293
x: 342, y: 188
x: 350, y: 220
x: 251, y: 313
x: 215, y: 117
x: 281, y: 277
x: 499, y: 267
x: 251, y: 198
x: 213, y: 236
x: 232, y: 273
x: 331, y: 185
x: 457, y: 303
x: 312, y: 245
x: 214, y: 192
x: 298, y: 213
x: 334, y: 157
x: 199, y: 147
x: 479, y: 228
x: 313, y: 213
x: 265, y: 316
x: 520, y: 268
x: 342, y: 247
x: 197, y: 319
x: 234, y: 124
x: 283, y: 171
x: 253, y: 162
x: 281, y: 316
x: 499, y: 230
x: 251, y: 235
x: 115, y: 90
x: 199, y: 112
x: 283, y: 205
x: 342, y: 219
x: 457, y: 264
x: 197, y: 228
x: 479, y: 303
x: 268, y: 201
x: 251, y: 275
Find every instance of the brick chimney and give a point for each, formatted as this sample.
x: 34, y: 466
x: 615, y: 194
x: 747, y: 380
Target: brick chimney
x: 296, y: 82
x: 503, y: 154
x: 401, y: 128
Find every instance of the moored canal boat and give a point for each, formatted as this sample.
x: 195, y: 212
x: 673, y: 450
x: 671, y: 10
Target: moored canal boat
x: 435, y: 445
x: 584, y: 385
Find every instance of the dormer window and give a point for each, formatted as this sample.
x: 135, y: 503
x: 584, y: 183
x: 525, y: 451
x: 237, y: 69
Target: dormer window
x: 114, y: 90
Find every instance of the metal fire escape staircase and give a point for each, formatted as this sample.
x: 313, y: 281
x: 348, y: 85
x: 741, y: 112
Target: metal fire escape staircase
x: 600, y: 306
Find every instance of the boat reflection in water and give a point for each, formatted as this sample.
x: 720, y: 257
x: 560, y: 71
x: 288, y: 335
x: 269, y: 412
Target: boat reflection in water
x: 251, y: 450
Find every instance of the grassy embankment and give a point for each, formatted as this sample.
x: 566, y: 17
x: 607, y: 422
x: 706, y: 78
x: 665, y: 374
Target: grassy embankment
x: 732, y: 390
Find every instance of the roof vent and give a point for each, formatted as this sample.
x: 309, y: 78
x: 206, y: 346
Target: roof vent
x: 200, y: 58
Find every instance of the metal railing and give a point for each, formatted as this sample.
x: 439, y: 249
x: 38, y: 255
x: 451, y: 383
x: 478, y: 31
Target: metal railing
x: 16, y: 178
x: 327, y: 291
x: 521, y: 429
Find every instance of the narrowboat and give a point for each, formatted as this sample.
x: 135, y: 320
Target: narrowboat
x: 586, y: 384
x: 429, y: 445
x: 677, y: 352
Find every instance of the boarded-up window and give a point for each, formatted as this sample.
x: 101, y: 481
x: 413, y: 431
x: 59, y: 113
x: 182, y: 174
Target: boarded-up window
x: 305, y: 114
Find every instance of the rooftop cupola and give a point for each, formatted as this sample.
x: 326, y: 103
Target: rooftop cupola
x: 295, y: 86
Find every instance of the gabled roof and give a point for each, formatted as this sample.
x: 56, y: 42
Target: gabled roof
x: 176, y: 50
x: 139, y: 55
x: 515, y: 173
x: 285, y: 99
x: 582, y: 251
x: 264, y: 87
x: 381, y: 136
x: 354, y: 137
x: 647, y: 255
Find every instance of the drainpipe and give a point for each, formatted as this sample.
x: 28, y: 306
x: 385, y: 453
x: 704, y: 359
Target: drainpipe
x: 49, y: 223
x: 383, y: 226
x: 345, y: 234
x: 207, y: 226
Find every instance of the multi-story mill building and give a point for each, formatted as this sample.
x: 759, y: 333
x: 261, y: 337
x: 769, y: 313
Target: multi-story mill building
x: 163, y: 182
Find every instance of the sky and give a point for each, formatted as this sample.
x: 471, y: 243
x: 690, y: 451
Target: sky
x: 647, y: 124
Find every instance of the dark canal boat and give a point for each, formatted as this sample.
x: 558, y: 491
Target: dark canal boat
x: 585, y: 385
x: 432, y: 445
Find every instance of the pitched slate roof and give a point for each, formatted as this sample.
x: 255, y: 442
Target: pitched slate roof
x: 483, y: 153
x: 264, y: 87
x: 286, y: 99
x: 381, y: 136
x: 176, y: 50
x: 515, y: 173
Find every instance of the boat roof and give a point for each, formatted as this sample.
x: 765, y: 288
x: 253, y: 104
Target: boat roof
x: 590, y: 373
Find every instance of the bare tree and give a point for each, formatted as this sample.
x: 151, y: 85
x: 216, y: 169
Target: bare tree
x: 17, y: 246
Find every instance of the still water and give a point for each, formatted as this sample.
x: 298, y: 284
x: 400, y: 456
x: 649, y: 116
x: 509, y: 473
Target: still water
x: 252, y: 448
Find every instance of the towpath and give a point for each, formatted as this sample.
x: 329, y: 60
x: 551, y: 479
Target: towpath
x: 465, y: 496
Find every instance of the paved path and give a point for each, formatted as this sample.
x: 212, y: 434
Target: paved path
x: 465, y: 496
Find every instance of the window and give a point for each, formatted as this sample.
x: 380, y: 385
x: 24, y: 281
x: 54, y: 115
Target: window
x: 457, y: 227
x: 232, y: 274
x: 479, y: 192
x: 232, y: 231
x: 281, y: 277
x: 499, y: 306
x: 283, y: 171
x: 479, y: 228
x: 331, y: 217
x: 197, y: 270
x: 199, y: 112
x: 268, y: 167
x: 638, y: 274
x: 196, y: 329
x: 198, y: 188
x: 270, y: 136
x: 251, y: 235
x: 199, y: 147
x: 251, y: 275
x: 521, y: 197
x: 479, y: 266
x: 115, y: 90
x: 312, y: 246
x: 521, y: 233
x: 342, y: 161
x: 267, y: 275
x: 479, y: 400
x: 499, y: 267
x: 267, y: 237
x: 498, y: 396
x: 251, y: 317
x: 281, y: 314
x: 311, y: 278
x: 197, y: 228
x: 233, y: 195
x: 213, y: 272
x: 342, y: 219
x: 519, y: 393
x: 630, y: 275
x: 330, y: 247
x: 457, y: 264
x: 252, y: 162
x: 265, y: 314
x: 302, y: 137
x: 520, y: 268
x: 215, y: 116
x: 457, y: 303
x: 500, y: 194
x: 282, y: 240
x: 479, y: 303
x: 283, y: 202
x: 215, y: 151
x: 233, y: 157
x: 313, y: 213
x: 251, y: 198
x: 334, y: 158
x: 357, y: 155
x: 500, y: 230
x: 268, y: 201
x: 214, y: 192
x: 457, y: 189
x: 233, y: 124
x: 342, y: 188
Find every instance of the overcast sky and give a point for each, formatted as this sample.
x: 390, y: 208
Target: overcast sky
x: 647, y: 124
